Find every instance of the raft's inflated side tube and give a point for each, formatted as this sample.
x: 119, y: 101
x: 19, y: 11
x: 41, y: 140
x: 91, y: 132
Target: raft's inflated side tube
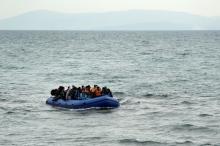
x: 98, y: 102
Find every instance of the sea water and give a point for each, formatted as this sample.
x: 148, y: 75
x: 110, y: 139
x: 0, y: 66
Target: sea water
x: 168, y: 85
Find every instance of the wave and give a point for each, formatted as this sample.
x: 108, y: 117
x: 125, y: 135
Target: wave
x: 191, y: 127
x: 207, y: 144
x: 3, y: 108
x: 136, y: 142
x: 150, y: 95
x: 183, y: 54
x: 4, y: 92
x: 145, y: 42
x: 185, y: 142
x: 9, y: 112
x: 129, y: 101
x: 145, y: 53
x: 125, y: 102
x: 19, y: 101
x: 13, y: 67
x: 205, y: 115
x: 119, y: 77
x: 18, y: 110
x: 3, y: 99
x: 184, y: 126
x: 118, y: 93
x: 186, y: 102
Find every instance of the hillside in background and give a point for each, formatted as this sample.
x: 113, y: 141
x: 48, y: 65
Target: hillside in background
x: 121, y: 20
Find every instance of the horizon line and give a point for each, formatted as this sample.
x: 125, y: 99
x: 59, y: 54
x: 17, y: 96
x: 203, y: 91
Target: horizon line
x: 84, y: 30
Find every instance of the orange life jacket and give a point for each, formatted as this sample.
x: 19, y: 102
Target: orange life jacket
x: 87, y: 91
x: 93, y: 90
x: 98, y: 92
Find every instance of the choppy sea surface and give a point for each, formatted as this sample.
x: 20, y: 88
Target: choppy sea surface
x: 168, y: 85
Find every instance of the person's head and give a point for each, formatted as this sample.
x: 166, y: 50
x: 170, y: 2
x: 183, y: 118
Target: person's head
x: 103, y: 88
x: 95, y: 86
x: 52, y: 92
x: 61, y: 88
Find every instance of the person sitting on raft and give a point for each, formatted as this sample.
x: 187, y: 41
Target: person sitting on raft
x: 106, y: 91
x: 68, y: 93
x: 95, y: 91
x: 58, y: 93
x: 98, y: 92
x: 75, y: 93
x: 87, y: 92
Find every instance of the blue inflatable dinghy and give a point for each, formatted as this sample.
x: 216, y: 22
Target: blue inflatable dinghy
x: 98, y: 102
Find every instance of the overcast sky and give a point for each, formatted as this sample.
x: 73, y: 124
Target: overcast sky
x: 201, y: 7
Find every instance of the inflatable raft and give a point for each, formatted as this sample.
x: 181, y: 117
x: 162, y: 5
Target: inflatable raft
x: 98, y: 102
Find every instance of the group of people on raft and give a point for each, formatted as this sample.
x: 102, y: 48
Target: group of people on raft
x: 77, y: 93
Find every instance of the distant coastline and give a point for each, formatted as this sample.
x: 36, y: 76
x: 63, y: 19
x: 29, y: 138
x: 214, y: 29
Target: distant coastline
x: 133, y: 20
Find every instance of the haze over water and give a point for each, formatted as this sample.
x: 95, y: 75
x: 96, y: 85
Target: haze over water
x: 168, y: 84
